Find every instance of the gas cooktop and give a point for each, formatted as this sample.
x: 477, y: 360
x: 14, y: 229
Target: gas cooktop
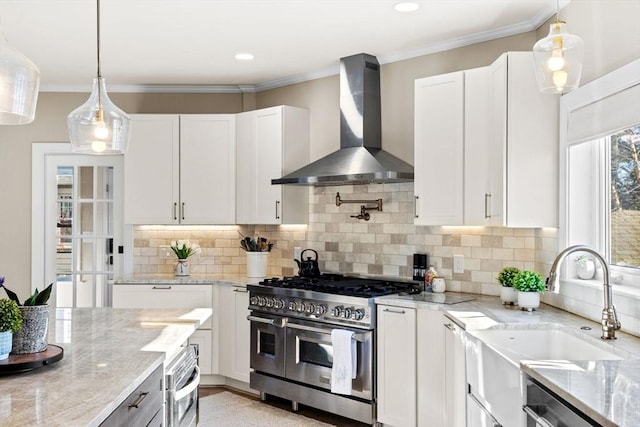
x: 344, y: 285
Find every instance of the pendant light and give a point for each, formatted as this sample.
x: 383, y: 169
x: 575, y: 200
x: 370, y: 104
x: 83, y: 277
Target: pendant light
x: 558, y: 59
x: 19, y: 84
x: 98, y: 126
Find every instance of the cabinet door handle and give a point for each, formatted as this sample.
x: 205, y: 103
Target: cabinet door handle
x: 241, y: 290
x: 139, y: 400
x: 277, y: 205
x: 162, y: 287
x: 175, y: 211
x: 536, y: 418
x: 449, y: 326
x: 390, y: 310
x: 415, y: 207
x: 182, y: 210
x: 487, y: 204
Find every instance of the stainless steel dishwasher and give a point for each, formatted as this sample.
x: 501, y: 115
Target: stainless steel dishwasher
x: 544, y: 408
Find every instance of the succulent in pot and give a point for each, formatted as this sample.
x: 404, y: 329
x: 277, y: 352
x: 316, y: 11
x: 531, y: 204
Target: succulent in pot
x: 508, y: 294
x: 10, y: 323
x: 529, y: 285
x: 32, y: 337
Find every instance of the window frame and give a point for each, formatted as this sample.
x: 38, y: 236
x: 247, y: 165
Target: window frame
x: 600, y: 89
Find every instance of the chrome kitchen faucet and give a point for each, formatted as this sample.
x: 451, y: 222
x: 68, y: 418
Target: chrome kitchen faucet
x: 609, y: 317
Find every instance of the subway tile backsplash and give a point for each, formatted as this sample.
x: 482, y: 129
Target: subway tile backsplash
x: 382, y: 246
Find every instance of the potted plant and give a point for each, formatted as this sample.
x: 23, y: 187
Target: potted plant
x: 10, y: 323
x: 183, y: 250
x: 529, y: 285
x: 32, y: 337
x: 508, y: 295
x: 585, y: 267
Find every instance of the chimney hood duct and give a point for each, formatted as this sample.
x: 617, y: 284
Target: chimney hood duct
x: 360, y: 159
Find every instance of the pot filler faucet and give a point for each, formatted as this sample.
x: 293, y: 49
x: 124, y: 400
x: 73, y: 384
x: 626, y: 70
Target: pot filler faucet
x: 609, y: 317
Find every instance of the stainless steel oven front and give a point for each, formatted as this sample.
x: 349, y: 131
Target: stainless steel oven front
x: 310, y: 356
x: 182, y: 377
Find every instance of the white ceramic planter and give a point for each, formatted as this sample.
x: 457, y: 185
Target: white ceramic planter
x: 257, y: 264
x: 5, y: 344
x: 586, y: 269
x: 183, y: 268
x: 508, y: 295
x: 528, y: 300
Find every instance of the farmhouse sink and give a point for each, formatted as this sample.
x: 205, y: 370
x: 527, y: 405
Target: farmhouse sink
x: 493, y: 358
x: 544, y: 343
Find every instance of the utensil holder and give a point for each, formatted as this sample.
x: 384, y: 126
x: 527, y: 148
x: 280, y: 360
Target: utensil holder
x: 257, y: 264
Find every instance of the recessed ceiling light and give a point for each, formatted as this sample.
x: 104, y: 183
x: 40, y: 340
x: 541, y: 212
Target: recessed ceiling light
x: 406, y: 6
x: 244, y: 56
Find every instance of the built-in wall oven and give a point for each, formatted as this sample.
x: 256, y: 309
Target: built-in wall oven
x: 292, y: 349
x: 182, y: 378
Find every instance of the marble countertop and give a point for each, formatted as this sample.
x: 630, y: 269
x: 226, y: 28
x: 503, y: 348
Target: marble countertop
x: 193, y: 279
x: 108, y: 353
x: 607, y: 391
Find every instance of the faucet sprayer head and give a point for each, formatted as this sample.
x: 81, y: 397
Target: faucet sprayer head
x: 552, y: 282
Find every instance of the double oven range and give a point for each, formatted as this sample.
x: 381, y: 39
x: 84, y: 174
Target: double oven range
x: 291, y: 347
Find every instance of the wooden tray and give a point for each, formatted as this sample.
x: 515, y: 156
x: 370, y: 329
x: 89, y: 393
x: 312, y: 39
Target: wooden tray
x: 26, y: 362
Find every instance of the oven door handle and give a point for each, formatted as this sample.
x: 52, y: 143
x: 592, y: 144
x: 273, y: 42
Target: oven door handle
x: 189, y: 387
x: 357, y: 337
x: 280, y: 323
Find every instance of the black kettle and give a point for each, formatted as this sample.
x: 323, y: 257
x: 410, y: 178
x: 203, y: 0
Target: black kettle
x: 308, y: 267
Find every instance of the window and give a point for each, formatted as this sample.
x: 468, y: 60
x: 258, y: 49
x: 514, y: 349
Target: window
x: 600, y: 172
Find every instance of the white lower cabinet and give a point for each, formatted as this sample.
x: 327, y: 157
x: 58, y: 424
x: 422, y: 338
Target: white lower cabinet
x: 396, y: 367
x: 234, y: 332
x: 176, y: 296
x: 421, y: 368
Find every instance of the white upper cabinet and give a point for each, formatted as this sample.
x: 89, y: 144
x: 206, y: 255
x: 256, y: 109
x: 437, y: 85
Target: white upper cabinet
x: 486, y: 147
x: 439, y: 148
x: 180, y: 169
x: 524, y: 145
x: 271, y: 142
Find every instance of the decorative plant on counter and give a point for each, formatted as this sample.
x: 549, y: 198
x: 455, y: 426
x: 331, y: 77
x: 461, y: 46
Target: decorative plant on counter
x: 37, y: 298
x: 32, y: 337
x: 528, y: 281
x: 529, y: 285
x: 507, y: 275
x: 184, y: 248
x: 508, y: 294
x: 10, y: 316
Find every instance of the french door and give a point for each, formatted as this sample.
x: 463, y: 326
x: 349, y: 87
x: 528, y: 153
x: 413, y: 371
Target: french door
x: 82, y: 227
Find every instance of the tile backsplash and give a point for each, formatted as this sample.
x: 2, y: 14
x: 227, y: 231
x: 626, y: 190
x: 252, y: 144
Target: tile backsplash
x: 382, y: 246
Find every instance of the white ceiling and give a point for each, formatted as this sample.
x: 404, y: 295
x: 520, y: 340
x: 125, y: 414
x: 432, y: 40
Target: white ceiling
x: 170, y: 44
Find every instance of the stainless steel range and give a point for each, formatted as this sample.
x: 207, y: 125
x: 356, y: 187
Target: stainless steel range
x: 292, y: 351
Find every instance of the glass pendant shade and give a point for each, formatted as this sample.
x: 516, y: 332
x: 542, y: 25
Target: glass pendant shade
x: 19, y: 84
x: 98, y: 126
x: 558, y: 60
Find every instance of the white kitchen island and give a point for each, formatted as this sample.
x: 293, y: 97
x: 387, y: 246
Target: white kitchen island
x: 108, y: 353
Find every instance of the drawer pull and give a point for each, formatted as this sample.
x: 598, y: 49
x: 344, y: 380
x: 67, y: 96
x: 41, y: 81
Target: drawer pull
x: 139, y: 400
x: 540, y: 421
x: 162, y: 287
x: 389, y: 310
x: 242, y: 290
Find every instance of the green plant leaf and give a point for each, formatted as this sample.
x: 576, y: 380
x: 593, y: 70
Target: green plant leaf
x: 32, y: 299
x: 43, y: 296
x: 12, y: 295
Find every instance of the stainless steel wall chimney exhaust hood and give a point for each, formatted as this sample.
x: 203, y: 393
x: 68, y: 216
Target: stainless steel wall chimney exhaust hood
x: 360, y: 159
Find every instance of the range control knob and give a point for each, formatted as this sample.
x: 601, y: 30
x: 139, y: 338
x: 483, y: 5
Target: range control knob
x: 309, y: 308
x: 292, y: 306
x: 321, y: 309
x: 261, y: 301
x: 270, y: 302
x: 357, y: 314
x: 253, y: 300
x: 299, y: 307
x: 278, y: 303
x: 337, y: 311
x: 347, y: 312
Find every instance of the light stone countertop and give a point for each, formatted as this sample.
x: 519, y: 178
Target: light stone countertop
x: 193, y: 279
x: 607, y: 391
x: 108, y: 353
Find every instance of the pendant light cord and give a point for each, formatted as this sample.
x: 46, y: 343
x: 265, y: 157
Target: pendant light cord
x: 98, y: 35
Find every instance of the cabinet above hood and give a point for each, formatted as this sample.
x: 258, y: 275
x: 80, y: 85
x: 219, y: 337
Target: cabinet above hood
x: 360, y: 159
